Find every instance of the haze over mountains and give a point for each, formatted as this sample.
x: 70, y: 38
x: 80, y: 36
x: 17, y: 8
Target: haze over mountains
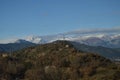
x: 76, y: 56
x: 96, y: 39
x: 103, y: 42
x: 17, y: 45
x: 104, y: 37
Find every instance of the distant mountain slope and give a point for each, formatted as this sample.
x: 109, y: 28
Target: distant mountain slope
x: 94, y: 39
x: 110, y: 40
x: 19, y: 44
x: 118, y: 49
x: 56, y: 61
x: 106, y: 52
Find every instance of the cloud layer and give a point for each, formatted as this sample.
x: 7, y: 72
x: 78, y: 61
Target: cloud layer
x: 90, y: 31
x: 77, y: 32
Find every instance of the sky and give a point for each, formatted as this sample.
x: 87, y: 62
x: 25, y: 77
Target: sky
x: 20, y: 18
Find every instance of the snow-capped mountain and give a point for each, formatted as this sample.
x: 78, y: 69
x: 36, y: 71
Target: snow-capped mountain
x: 96, y: 39
x: 107, y: 44
x: 106, y: 38
x: 34, y: 39
x: 45, y: 39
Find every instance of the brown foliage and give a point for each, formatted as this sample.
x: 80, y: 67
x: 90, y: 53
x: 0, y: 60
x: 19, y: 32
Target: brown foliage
x: 56, y: 61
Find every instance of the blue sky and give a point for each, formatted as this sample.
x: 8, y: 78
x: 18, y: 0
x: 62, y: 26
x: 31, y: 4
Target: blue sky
x: 20, y: 18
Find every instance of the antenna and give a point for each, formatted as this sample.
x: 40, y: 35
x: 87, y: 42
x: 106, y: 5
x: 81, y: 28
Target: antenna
x: 63, y: 37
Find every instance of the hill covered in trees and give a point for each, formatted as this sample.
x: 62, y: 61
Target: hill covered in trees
x: 56, y: 61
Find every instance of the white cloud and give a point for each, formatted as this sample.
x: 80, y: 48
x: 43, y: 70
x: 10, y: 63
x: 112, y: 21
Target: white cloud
x: 85, y: 31
x: 88, y: 31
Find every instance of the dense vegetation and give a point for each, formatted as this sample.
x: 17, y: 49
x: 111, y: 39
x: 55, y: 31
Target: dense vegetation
x: 56, y: 61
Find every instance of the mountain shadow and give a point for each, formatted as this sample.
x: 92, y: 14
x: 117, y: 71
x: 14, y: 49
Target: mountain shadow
x: 19, y: 44
x: 103, y: 51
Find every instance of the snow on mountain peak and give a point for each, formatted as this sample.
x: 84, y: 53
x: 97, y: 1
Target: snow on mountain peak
x: 95, y: 37
x: 116, y: 36
x: 33, y: 39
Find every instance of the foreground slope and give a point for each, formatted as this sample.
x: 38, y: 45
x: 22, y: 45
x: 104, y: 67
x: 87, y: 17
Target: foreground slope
x: 56, y: 61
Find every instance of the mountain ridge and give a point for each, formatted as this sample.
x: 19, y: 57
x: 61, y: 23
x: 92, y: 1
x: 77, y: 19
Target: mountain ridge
x: 106, y: 39
x: 104, y: 51
x: 58, y: 60
x: 19, y: 44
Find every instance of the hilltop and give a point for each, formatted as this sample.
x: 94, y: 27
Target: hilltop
x: 58, y: 60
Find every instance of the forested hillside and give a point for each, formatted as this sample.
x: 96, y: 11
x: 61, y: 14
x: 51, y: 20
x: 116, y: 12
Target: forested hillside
x: 56, y: 61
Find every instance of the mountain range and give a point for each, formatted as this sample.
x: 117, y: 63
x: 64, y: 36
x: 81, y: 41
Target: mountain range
x: 104, y: 40
x: 106, y: 44
x: 58, y: 60
x: 17, y: 45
